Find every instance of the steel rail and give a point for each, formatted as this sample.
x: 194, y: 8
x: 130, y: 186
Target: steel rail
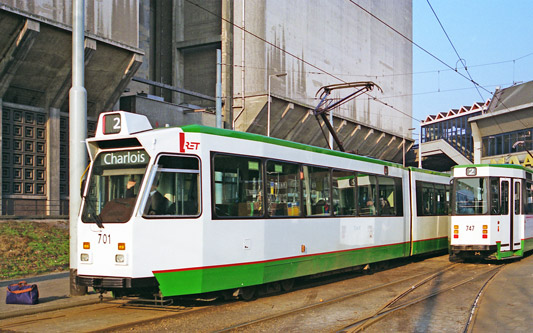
x: 386, y: 310
x: 328, y: 302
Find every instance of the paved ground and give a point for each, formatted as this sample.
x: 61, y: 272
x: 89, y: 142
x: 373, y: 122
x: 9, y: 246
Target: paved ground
x: 54, y: 292
x: 507, y: 303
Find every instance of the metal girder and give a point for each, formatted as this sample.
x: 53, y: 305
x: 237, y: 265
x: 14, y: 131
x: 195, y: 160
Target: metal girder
x: 173, y: 88
x: 16, y: 53
x: 130, y: 70
x: 58, y: 89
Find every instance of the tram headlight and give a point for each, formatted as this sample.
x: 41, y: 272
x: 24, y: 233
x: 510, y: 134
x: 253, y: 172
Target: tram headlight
x: 121, y: 259
x: 86, y: 258
x: 485, y: 231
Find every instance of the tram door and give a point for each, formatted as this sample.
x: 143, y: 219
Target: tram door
x: 505, y: 222
x: 516, y: 243
x: 510, y: 214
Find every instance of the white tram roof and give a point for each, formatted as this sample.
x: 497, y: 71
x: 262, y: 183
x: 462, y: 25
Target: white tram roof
x: 114, y: 125
x: 490, y: 170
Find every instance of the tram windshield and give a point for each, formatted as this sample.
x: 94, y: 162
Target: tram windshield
x: 114, y: 186
x: 471, y: 196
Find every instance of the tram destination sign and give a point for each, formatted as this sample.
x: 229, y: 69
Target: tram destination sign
x: 130, y: 157
x: 112, y: 123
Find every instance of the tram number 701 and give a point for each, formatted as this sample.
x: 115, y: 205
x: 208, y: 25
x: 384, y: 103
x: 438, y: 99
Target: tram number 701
x: 469, y: 228
x: 104, y: 239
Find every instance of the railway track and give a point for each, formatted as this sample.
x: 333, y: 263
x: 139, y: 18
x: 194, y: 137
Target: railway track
x: 391, y: 308
x: 325, y: 303
x: 347, y: 304
x: 425, y: 289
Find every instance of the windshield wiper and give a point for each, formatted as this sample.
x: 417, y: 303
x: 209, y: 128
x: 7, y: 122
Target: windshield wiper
x: 96, y: 217
x: 98, y: 221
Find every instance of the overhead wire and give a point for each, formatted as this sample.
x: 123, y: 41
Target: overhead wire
x: 394, y: 74
x: 296, y: 57
x: 461, y: 59
x: 436, y: 58
x: 416, y: 44
x: 453, y: 46
x: 336, y: 76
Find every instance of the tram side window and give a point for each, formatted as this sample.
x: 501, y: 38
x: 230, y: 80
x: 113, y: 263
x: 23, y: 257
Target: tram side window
x: 517, y: 191
x: 504, y: 189
x: 344, y: 187
x: 494, y: 196
x: 387, y: 196
x: 366, y: 188
x: 283, y: 189
x: 441, y: 203
x: 238, y: 186
x: 316, y: 191
x: 175, y: 190
x: 528, y: 200
x: 425, y: 199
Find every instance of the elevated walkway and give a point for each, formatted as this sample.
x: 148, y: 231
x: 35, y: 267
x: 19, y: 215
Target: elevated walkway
x: 442, y: 147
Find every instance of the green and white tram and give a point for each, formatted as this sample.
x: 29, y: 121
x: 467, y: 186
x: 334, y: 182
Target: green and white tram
x: 492, y: 211
x: 197, y: 209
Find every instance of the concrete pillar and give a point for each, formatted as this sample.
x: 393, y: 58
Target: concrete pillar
x: 227, y: 58
x: 178, y: 35
x: 476, y: 136
x: 52, y: 165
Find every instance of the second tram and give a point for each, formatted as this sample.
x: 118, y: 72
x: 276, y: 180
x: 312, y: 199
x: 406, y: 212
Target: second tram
x: 492, y: 213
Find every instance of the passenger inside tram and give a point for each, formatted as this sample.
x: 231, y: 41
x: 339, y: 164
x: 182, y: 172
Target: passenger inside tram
x: 385, y: 206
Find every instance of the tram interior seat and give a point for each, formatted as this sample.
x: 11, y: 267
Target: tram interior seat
x: 320, y: 208
x: 226, y: 210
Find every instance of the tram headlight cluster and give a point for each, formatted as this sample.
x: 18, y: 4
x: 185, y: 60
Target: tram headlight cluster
x: 455, y: 231
x: 485, y: 231
x: 121, y: 259
x: 86, y: 258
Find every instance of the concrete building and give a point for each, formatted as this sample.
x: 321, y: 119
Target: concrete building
x: 269, y: 54
x: 499, y: 131
x: 504, y: 133
x: 35, y: 77
x: 446, y: 138
x: 159, y: 58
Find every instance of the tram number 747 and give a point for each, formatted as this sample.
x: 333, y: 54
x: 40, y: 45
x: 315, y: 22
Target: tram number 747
x: 104, y: 239
x: 469, y: 228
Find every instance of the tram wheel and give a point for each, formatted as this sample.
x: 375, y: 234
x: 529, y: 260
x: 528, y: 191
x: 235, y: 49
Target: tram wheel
x: 247, y: 293
x: 287, y: 285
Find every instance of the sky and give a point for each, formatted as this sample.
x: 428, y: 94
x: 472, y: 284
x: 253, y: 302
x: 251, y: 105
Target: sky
x: 495, y: 39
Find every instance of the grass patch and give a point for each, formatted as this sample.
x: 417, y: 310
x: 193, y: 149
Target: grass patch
x: 31, y: 248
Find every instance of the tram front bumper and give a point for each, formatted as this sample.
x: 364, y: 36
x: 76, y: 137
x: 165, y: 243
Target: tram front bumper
x: 115, y: 282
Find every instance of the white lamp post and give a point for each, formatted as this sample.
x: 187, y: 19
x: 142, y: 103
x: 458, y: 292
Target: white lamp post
x: 268, y: 101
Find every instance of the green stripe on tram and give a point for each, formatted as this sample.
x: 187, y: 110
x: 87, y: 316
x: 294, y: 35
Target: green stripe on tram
x: 430, y: 245
x: 280, y: 142
x: 235, y: 276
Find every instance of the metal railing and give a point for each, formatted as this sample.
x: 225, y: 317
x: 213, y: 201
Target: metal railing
x: 40, y: 208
